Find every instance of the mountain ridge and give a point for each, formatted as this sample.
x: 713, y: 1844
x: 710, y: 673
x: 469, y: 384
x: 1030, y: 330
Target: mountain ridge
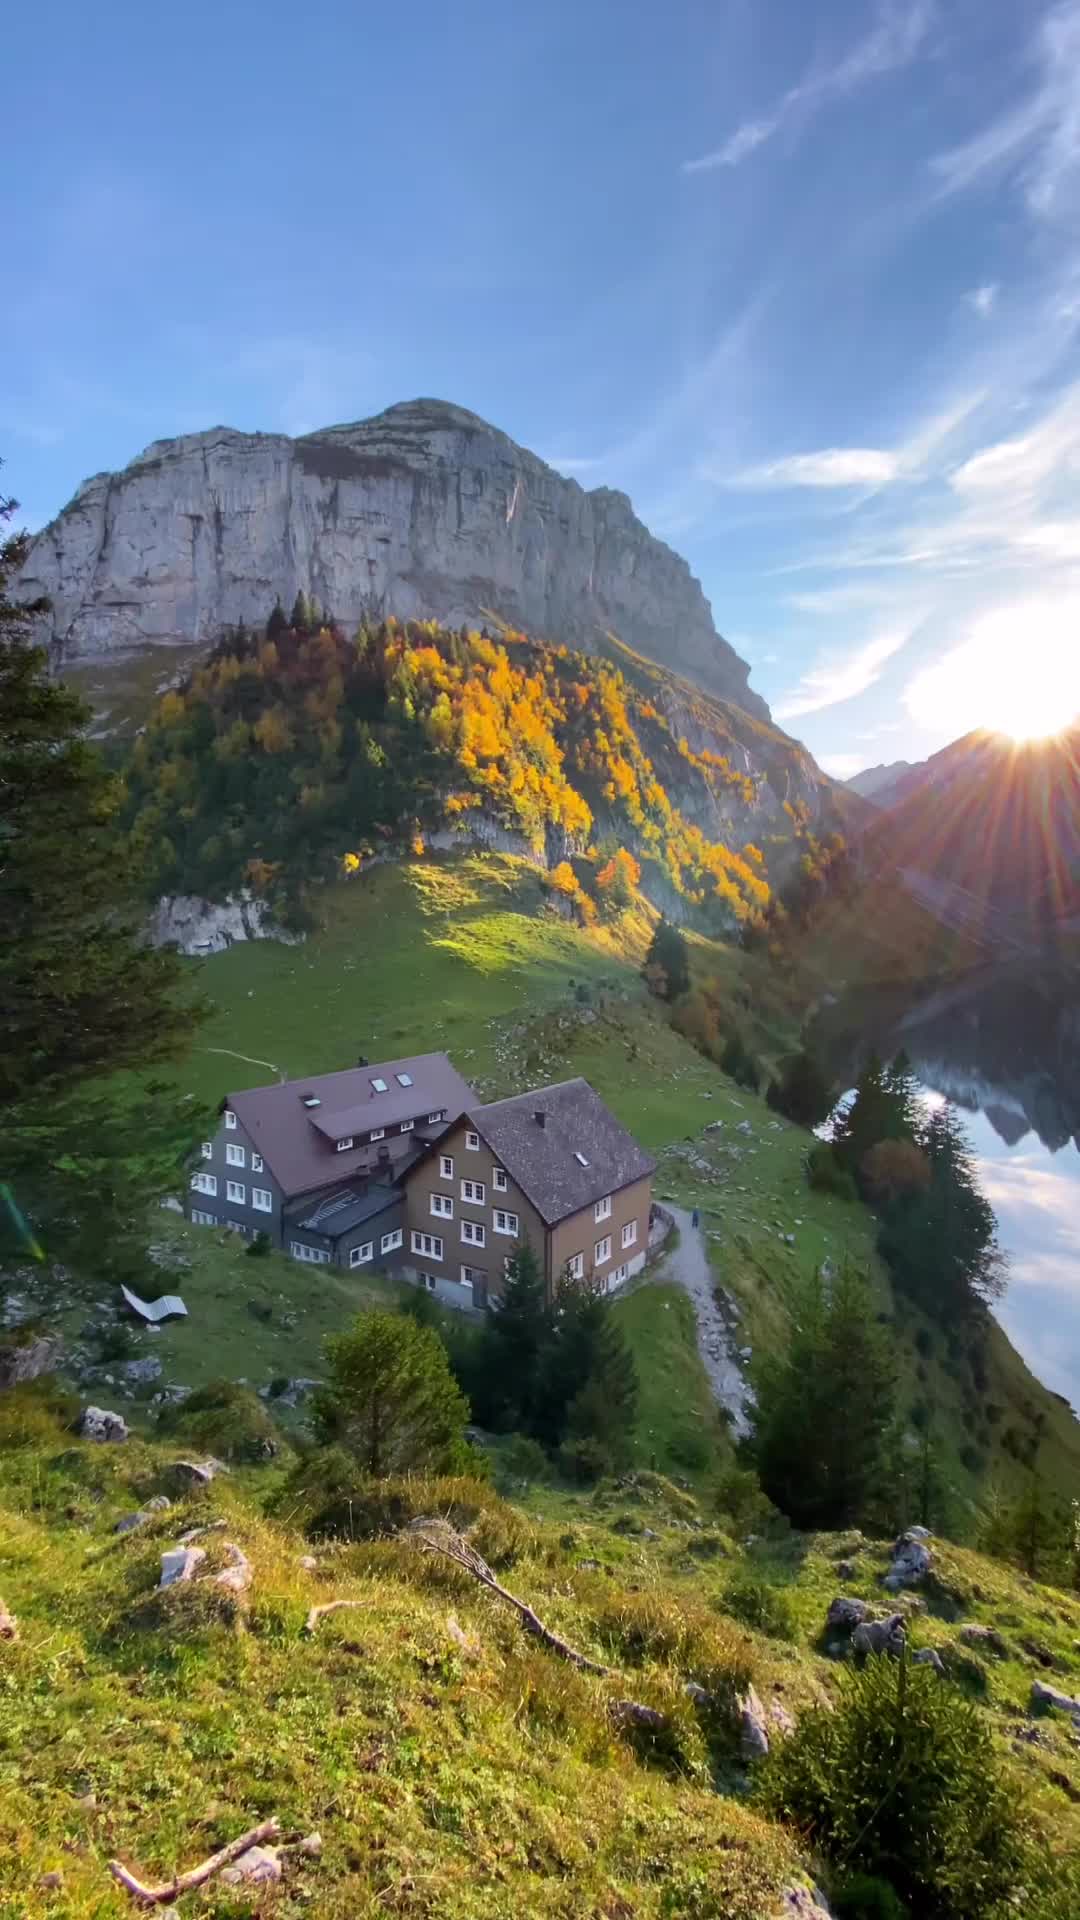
x: 422, y: 511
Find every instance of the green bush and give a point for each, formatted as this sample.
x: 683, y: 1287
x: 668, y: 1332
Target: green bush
x: 329, y: 1497
x: 826, y: 1175
x: 758, y: 1604
x: 901, y: 1780
x: 522, y: 1458
x: 862, y: 1897
x: 225, y: 1419
x: 35, y: 1413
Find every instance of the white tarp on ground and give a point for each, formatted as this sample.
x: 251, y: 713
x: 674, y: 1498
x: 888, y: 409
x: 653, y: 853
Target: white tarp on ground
x: 155, y: 1310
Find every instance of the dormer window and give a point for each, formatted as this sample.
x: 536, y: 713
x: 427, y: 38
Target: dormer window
x: 311, y: 1100
x: 403, y: 1079
x: 434, y: 1118
x: 230, y: 1120
x: 581, y: 1160
x: 379, y: 1085
x: 377, y: 1133
x: 344, y: 1145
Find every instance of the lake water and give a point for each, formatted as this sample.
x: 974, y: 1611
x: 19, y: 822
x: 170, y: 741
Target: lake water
x: 1006, y: 1049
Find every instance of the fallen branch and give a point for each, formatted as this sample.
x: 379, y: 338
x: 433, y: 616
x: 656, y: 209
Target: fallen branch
x: 436, y: 1537
x: 195, y: 1533
x: 195, y: 1876
x: 330, y: 1606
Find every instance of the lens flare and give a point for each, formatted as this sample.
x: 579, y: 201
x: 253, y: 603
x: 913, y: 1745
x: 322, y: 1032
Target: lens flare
x: 1018, y: 673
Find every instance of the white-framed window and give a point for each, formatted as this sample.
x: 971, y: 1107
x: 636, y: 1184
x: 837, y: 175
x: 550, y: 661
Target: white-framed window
x: 207, y: 1149
x: 474, y: 1191
x: 234, y: 1155
x: 602, y: 1209
x: 391, y: 1241
x: 359, y: 1256
x: 429, y: 1280
x: 344, y: 1145
x: 472, y: 1141
x: 230, y: 1120
x: 442, y: 1206
x: 204, y: 1183
x: 377, y: 1133
x: 429, y: 1243
x: 575, y: 1266
x: 407, y: 1126
x: 473, y: 1233
x: 506, y: 1222
x: 403, y: 1079
x: 434, y: 1118
x: 498, y: 1179
x: 315, y: 1256
x: 473, y: 1276
x: 446, y: 1166
x: 602, y: 1250
x: 256, y: 1162
x: 616, y: 1279
x: 201, y: 1219
x: 629, y: 1233
x: 262, y: 1199
x: 236, y: 1190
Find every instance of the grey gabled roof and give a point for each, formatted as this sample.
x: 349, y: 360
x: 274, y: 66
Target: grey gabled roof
x: 341, y: 1211
x: 579, y: 1154
x: 297, y: 1141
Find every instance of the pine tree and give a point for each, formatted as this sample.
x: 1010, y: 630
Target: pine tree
x: 667, y: 963
x: 879, y: 1111
x: 588, y: 1382
x: 519, y: 1323
x: 941, y: 1244
x: 826, y: 1405
x: 804, y: 1091
x: 390, y: 1397
x: 84, y: 997
x: 277, y: 623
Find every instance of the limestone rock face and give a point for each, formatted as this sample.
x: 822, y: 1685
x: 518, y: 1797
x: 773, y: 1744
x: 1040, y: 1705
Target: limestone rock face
x: 423, y: 511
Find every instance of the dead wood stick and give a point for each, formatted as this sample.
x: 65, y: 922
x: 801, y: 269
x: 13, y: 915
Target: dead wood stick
x: 195, y: 1876
x: 452, y: 1547
x: 330, y: 1606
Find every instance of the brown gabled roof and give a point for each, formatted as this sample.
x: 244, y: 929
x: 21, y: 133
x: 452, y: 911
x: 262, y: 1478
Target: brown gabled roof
x: 577, y: 1156
x: 297, y: 1142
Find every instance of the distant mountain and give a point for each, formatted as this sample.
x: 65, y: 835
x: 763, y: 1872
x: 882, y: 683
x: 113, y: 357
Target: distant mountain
x: 875, y: 783
x: 423, y: 512
x: 987, y: 834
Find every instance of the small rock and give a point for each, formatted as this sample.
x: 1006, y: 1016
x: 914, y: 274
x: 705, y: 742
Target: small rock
x: 179, y: 1564
x: 194, y: 1476
x: 158, y: 1504
x: 1043, y: 1697
x: 87, y: 1801
x: 780, y: 1717
x: 879, y: 1636
x: 259, y: 1866
x: 141, y: 1372
x: 802, y: 1903
x: 311, y: 1846
x: 846, y: 1613
x: 308, y: 1562
x: 910, y: 1563
x: 985, y: 1638
x: 238, y: 1575
x: 99, y: 1424
x: 128, y: 1522
x: 928, y: 1657
x: 753, y: 1739
x: 9, y: 1627
x: 51, y: 1882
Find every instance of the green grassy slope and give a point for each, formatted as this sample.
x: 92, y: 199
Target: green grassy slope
x: 463, y: 955
x: 450, y: 1766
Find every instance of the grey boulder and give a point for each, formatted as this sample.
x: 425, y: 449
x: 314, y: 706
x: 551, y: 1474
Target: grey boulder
x: 911, y: 1561
x: 99, y: 1424
x: 879, y: 1636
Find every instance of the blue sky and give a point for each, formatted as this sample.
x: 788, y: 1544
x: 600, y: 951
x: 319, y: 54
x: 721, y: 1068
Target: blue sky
x: 804, y: 279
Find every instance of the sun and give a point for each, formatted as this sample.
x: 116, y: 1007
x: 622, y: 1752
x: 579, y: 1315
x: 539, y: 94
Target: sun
x: 1017, y: 673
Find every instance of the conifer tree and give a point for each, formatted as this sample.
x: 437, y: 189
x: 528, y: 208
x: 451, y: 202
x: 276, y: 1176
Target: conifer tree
x: 804, y: 1091
x: 519, y: 1323
x: 667, y: 963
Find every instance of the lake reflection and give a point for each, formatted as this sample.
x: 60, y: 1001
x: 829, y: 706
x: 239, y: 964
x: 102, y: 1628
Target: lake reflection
x: 1006, y: 1050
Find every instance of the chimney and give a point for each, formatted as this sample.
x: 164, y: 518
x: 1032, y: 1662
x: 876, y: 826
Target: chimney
x: 540, y: 1117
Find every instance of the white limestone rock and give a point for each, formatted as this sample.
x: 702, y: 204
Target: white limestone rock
x: 423, y: 511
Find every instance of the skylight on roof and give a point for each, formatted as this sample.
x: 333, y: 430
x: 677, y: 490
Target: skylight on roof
x: 380, y: 1086
x: 311, y: 1100
x: 403, y: 1079
x: 580, y: 1158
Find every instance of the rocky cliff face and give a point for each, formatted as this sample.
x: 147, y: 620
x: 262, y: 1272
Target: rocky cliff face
x: 424, y: 510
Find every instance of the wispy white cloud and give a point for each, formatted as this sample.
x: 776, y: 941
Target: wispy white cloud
x: 841, y: 677
x: 831, y: 467
x: 1038, y: 139
x: 983, y: 299
x: 895, y: 39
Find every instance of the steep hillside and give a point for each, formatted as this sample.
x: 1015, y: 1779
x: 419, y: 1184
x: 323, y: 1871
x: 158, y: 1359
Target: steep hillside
x: 291, y: 756
x: 423, y: 512
x: 425, y: 1757
x: 877, y: 783
x: 987, y: 834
